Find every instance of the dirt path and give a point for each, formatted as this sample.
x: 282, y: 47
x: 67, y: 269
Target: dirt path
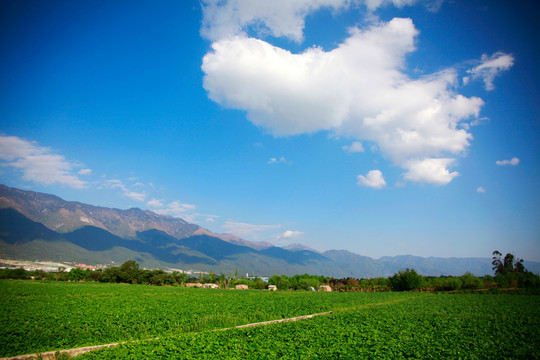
x: 77, y: 351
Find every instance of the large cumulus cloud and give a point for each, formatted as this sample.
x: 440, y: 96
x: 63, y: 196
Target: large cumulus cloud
x: 359, y: 89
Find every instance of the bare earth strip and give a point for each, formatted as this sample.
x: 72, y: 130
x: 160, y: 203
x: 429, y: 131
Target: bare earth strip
x: 77, y: 351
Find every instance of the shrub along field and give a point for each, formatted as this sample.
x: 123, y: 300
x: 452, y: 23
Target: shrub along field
x: 39, y: 316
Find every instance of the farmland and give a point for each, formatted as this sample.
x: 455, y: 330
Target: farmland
x: 427, y: 327
x: 40, y: 316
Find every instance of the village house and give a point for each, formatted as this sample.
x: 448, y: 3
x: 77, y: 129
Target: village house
x: 194, y: 285
x: 241, y: 287
x: 272, y: 287
x: 325, y: 288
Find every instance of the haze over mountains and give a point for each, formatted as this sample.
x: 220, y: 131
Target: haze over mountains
x: 37, y: 226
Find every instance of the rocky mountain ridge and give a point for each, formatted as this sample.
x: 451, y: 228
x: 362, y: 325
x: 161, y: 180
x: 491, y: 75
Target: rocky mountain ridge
x: 65, y: 216
x: 46, y: 227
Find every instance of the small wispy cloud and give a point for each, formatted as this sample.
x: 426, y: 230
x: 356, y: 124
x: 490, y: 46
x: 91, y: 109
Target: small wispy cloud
x: 289, y: 234
x: 154, y: 203
x: 85, y: 172
x: 39, y: 164
x: 175, y: 208
x: 118, y: 184
x: 180, y: 210
x: 280, y: 160
x: 355, y: 147
x: 481, y: 190
x: 245, y: 229
x: 490, y: 67
x: 513, y: 162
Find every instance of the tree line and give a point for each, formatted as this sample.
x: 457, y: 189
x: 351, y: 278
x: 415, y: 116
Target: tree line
x: 509, y: 272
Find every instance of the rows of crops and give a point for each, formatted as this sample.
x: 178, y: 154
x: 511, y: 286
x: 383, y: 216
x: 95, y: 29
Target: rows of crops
x: 39, y: 316
x: 427, y: 327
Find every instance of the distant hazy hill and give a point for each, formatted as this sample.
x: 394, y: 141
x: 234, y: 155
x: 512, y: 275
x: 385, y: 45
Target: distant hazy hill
x: 354, y: 264
x: 36, y: 226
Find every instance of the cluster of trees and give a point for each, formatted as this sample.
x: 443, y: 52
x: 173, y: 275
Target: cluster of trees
x: 409, y: 279
x: 298, y: 282
x: 131, y: 273
x: 509, y: 272
x: 128, y: 273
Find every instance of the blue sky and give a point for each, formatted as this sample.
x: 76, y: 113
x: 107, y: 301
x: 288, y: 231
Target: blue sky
x: 380, y: 127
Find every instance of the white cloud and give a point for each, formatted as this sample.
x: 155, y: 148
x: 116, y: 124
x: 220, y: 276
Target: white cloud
x: 514, y: 161
x: 279, y: 18
x: 358, y: 89
x: 85, y: 172
x: 281, y: 160
x: 475, y: 122
x: 375, y: 4
x: 433, y: 171
x: 373, y: 179
x: 227, y: 19
x: 244, y: 229
x: 354, y: 147
x: 118, y: 184
x: 481, y: 190
x: 37, y: 163
x: 137, y: 196
x: 491, y: 66
x: 154, y: 203
x: 289, y: 234
x: 176, y: 208
x: 179, y: 209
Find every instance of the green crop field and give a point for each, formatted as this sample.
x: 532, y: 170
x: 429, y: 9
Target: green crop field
x: 39, y: 316
x: 429, y: 327
x: 43, y: 316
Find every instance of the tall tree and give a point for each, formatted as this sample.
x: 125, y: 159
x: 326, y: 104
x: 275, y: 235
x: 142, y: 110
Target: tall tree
x: 510, y: 264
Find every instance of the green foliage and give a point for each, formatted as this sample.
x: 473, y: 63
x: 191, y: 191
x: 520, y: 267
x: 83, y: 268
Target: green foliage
x: 511, y: 273
x: 76, y: 274
x: 259, y: 284
x: 406, y: 280
x: 297, y: 282
x: 508, y: 265
x: 305, y: 282
x: 518, y: 280
x: 18, y: 273
x: 423, y: 327
x: 130, y: 273
x: 448, y: 283
x: 403, y: 325
x: 470, y: 282
x: 282, y: 282
x: 40, y: 316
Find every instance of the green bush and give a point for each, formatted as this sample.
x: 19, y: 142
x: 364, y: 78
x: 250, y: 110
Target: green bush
x: 470, y: 282
x: 406, y: 280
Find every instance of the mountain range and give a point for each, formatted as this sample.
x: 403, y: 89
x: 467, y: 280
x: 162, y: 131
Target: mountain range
x: 37, y: 226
